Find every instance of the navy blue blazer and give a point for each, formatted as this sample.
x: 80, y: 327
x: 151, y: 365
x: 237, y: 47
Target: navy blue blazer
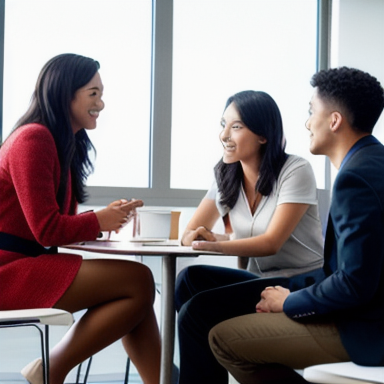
x: 352, y: 293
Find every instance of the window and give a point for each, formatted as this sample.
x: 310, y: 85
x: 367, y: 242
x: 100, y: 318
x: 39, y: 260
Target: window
x: 168, y: 67
x: 117, y: 33
x: 221, y: 47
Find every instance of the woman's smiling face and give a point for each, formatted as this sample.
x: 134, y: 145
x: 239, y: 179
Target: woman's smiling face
x: 87, y: 104
x: 239, y: 142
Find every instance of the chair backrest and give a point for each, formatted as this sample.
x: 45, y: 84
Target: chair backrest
x: 324, y: 202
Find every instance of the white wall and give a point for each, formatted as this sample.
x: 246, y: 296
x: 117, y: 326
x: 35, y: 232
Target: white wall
x: 358, y: 40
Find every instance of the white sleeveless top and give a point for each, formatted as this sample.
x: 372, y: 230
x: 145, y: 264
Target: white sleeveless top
x: 303, y: 251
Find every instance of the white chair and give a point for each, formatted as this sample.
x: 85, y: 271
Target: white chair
x: 35, y: 318
x: 344, y: 373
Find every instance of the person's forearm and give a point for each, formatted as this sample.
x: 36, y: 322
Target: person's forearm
x: 251, y: 247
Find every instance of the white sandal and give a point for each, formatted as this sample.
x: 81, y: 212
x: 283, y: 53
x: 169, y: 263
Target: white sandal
x: 33, y: 372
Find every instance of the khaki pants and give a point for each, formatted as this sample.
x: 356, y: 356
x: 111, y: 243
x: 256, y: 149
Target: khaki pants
x: 267, y: 347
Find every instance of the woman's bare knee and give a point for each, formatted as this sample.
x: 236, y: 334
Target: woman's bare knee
x: 100, y: 281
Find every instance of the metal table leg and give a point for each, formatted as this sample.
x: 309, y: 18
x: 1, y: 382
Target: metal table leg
x: 167, y: 327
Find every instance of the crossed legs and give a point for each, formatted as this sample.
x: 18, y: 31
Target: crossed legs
x: 119, y: 296
x: 205, y: 296
x: 266, y: 347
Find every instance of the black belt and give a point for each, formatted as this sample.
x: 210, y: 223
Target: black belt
x: 17, y: 244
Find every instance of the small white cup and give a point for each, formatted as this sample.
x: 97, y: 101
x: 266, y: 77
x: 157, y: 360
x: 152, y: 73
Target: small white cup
x: 152, y: 224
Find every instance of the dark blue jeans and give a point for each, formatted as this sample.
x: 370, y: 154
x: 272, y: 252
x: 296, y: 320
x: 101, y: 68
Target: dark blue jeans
x: 207, y: 295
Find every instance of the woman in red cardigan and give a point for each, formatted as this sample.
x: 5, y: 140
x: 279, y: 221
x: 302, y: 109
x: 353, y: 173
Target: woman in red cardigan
x: 44, y: 165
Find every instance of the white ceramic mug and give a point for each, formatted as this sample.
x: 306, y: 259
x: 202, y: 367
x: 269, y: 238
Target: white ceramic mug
x: 152, y: 224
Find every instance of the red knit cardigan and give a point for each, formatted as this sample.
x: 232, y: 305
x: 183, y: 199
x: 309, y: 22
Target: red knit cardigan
x: 29, y: 181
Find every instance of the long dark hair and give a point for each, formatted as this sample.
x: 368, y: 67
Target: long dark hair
x: 260, y: 113
x: 50, y: 105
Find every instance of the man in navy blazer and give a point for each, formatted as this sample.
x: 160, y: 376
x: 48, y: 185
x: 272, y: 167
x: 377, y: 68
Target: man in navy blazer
x: 342, y: 317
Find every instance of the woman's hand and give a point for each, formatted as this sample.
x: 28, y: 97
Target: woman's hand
x: 117, y: 214
x: 272, y: 299
x: 212, y: 246
x: 200, y: 233
x: 130, y: 207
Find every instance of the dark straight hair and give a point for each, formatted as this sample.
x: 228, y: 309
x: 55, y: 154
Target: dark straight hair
x: 50, y: 105
x: 260, y: 113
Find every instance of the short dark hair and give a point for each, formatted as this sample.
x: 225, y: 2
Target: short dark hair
x: 359, y: 95
x: 260, y: 113
x: 50, y: 105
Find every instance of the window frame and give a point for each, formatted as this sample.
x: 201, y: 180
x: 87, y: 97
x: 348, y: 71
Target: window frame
x: 159, y: 192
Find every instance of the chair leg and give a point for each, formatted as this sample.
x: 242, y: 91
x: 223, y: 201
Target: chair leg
x: 86, y: 371
x: 45, y: 359
x: 44, y: 345
x: 45, y: 355
x: 126, y: 378
x: 78, y: 373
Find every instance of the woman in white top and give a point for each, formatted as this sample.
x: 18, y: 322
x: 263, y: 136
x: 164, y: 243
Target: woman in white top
x: 268, y: 202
